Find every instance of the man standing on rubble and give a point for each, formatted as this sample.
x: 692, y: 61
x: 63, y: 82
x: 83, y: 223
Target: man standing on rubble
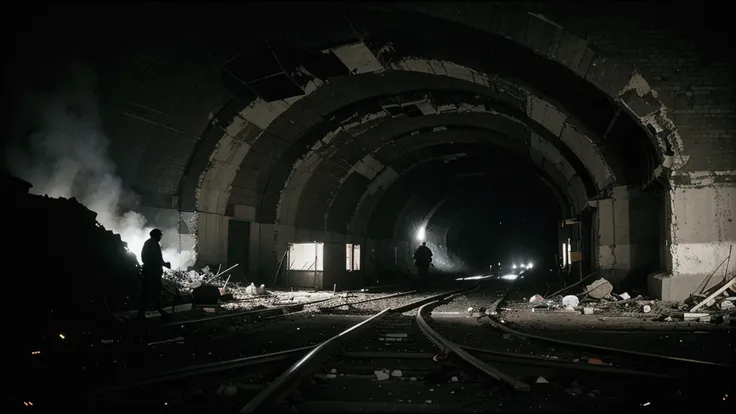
x: 152, y: 272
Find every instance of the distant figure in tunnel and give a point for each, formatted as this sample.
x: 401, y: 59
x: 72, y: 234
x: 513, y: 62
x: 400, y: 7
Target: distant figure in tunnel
x: 422, y: 260
x: 152, y: 272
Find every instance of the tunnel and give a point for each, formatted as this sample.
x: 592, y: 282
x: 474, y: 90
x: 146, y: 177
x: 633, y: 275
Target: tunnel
x: 311, y: 147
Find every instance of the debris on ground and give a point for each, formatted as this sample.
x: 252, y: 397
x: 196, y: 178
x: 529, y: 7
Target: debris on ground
x: 599, y: 289
x: 536, y: 299
x: 570, y: 300
x: 598, y: 298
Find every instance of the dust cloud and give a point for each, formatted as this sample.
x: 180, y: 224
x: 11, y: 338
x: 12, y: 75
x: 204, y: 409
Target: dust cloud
x: 65, y: 154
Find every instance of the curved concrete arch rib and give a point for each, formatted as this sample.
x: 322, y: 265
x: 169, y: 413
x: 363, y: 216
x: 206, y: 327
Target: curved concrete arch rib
x: 282, y: 121
x: 537, y: 34
x: 385, y: 137
x: 374, y: 129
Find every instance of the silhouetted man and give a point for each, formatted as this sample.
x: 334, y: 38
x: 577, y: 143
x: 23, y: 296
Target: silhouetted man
x: 422, y: 260
x: 152, y: 272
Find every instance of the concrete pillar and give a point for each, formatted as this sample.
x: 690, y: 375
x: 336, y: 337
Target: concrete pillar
x: 628, y: 235
x: 701, y: 230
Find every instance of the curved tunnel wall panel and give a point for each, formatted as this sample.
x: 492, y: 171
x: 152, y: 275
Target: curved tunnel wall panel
x: 271, y: 113
x: 552, y: 41
x: 500, y: 123
x: 479, y: 119
x: 370, y: 198
x: 588, y: 152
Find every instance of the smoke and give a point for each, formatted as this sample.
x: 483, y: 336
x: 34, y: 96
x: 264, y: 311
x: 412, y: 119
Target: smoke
x: 66, y: 155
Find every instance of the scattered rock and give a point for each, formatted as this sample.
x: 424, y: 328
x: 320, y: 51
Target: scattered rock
x: 599, y: 289
x: 381, y: 375
x: 536, y: 299
x: 570, y: 300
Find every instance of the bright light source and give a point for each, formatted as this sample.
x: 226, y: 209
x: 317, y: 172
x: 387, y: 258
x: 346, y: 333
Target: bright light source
x: 499, y: 263
x: 529, y: 266
x: 509, y: 277
x: 522, y: 266
x: 513, y: 266
x: 420, y: 234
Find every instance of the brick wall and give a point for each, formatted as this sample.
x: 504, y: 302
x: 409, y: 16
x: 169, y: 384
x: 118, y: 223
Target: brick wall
x: 679, y: 51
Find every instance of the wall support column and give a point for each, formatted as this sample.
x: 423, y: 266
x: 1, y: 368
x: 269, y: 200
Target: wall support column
x: 700, y: 231
x: 628, y: 236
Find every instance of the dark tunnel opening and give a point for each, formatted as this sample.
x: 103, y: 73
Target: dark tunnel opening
x: 476, y: 205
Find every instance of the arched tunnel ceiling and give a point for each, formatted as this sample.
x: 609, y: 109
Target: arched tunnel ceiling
x: 276, y: 190
x: 357, y: 156
x: 254, y: 133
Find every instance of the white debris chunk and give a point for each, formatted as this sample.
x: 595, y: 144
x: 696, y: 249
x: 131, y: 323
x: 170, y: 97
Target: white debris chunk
x: 381, y: 375
x: 396, y: 373
x: 570, y: 300
x: 541, y: 380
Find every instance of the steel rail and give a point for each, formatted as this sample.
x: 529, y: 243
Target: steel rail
x: 242, y: 313
x: 291, y: 378
x: 395, y: 295
x: 534, y: 360
x: 450, y: 347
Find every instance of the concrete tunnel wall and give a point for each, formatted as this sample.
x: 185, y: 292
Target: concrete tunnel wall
x: 239, y: 168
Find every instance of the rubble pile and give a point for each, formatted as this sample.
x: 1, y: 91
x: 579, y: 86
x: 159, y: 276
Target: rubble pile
x: 598, y: 298
x: 67, y: 262
x: 189, y: 280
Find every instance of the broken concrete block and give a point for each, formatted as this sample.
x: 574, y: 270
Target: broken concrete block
x: 646, y: 309
x: 587, y: 311
x: 381, y: 375
x: 599, y: 289
x: 570, y: 300
x: 541, y: 380
x: 536, y: 299
x: 396, y: 373
x: 726, y: 305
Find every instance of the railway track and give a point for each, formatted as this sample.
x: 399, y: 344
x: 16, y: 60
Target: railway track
x: 392, y: 363
x: 226, y: 386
